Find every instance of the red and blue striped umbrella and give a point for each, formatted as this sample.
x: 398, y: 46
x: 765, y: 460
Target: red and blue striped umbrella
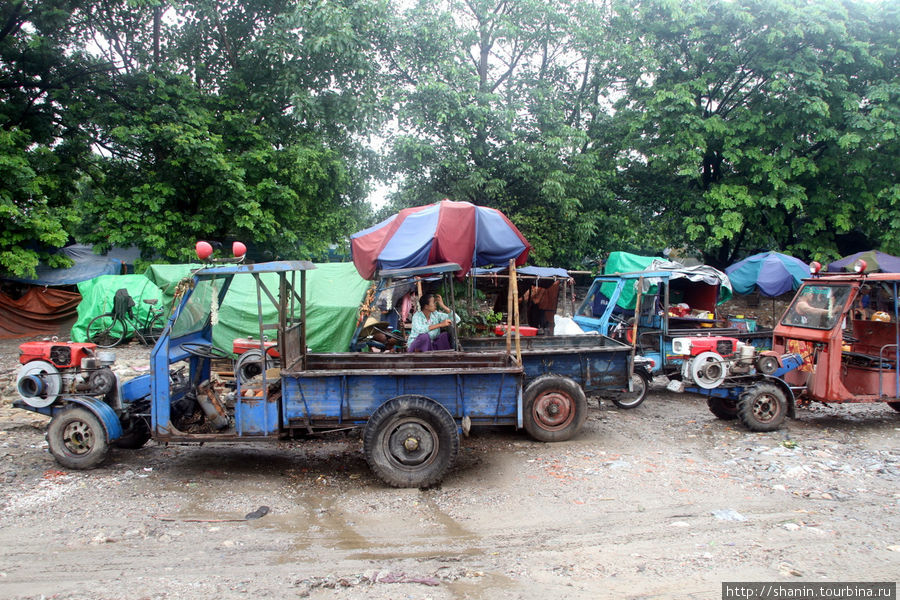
x: 447, y: 231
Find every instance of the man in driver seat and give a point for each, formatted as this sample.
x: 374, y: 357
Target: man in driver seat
x: 811, y: 308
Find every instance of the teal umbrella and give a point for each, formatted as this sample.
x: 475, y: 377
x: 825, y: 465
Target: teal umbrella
x: 771, y: 273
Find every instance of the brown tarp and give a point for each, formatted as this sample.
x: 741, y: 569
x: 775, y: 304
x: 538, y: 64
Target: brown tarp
x: 39, y: 310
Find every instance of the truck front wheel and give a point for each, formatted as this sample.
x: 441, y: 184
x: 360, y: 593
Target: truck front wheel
x: 77, y: 439
x: 411, y: 441
x: 762, y: 407
x: 555, y: 408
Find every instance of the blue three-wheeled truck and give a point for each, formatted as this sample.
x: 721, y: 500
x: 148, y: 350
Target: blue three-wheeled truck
x: 412, y: 407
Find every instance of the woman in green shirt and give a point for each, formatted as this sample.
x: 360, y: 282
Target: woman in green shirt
x: 427, y: 323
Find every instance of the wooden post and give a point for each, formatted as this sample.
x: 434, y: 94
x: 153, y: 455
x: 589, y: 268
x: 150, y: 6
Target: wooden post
x: 509, y: 310
x: 514, y: 282
x: 634, y: 329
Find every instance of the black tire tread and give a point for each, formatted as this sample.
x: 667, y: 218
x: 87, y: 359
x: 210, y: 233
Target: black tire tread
x: 421, y: 407
x: 723, y: 408
x: 55, y: 431
x: 745, y: 407
x: 134, y: 438
x: 634, y: 403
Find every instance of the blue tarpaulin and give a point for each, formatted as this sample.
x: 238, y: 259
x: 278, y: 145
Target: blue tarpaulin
x: 87, y: 266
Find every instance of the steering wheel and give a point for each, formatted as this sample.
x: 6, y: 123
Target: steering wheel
x: 204, y: 350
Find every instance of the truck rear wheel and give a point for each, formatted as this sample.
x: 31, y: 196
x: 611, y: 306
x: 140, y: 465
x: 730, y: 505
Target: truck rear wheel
x: 762, y: 407
x: 640, y: 383
x: 894, y: 405
x: 77, y: 439
x: 555, y: 408
x: 411, y: 441
x: 724, y: 408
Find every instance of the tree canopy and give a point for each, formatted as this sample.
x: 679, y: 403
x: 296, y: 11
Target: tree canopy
x: 595, y: 125
x: 153, y: 124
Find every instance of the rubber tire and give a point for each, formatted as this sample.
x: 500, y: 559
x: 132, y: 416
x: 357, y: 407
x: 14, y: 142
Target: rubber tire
x: 408, y: 415
x: 549, y: 392
x: 723, y: 408
x: 91, y: 446
x: 894, y: 405
x: 749, y: 407
x: 134, y: 438
x: 100, y: 330
x: 637, y: 378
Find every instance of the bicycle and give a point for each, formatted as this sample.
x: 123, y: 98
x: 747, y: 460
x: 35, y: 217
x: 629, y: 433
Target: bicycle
x: 112, y: 328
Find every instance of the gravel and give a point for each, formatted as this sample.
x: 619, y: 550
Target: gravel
x: 657, y: 502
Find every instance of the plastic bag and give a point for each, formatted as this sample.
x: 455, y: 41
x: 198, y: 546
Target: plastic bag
x: 565, y: 326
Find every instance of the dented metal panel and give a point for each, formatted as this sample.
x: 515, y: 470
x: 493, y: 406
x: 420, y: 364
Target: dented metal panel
x: 595, y: 362
x: 349, y: 397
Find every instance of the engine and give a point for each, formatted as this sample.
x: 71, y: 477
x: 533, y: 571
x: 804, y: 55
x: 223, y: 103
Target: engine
x: 710, y: 360
x: 51, y: 369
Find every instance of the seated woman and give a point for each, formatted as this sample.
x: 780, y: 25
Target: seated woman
x: 425, y: 334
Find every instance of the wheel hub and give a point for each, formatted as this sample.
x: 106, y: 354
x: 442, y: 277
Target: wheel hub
x: 78, y: 437
x: 765, y: 408
x: 554, y: 410
x: 412, y: 443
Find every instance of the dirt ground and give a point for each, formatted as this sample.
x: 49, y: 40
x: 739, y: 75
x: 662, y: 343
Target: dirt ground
x: 664, y: 501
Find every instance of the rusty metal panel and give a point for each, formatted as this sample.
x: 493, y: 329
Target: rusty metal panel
x: 545, y: 343
x: 323, y: 396
x: 291, y: 341
x: 595, y: 362
x: 403, y: 362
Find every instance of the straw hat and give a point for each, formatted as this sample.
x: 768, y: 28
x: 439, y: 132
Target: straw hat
x: 369, y: 325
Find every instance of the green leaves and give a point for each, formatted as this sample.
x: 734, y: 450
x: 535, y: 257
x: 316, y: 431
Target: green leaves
x: 723, y: 127
x: 760, y: 119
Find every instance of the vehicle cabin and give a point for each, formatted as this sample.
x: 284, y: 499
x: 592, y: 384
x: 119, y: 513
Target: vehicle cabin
x: 850, y: 351
x: 658, y: 314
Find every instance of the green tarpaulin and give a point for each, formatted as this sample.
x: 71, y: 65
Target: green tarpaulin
x: 334, y: 292
x: 97, y: 298
x: 166, y: 277
x: 623, y: 262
